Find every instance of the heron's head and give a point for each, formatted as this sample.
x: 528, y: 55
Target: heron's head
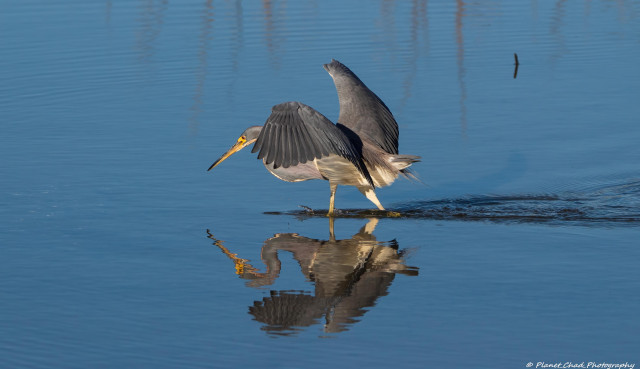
x: 249, y: 136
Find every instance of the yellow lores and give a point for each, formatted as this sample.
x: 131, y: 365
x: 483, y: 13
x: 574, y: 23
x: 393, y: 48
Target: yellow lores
x: 239, y: 145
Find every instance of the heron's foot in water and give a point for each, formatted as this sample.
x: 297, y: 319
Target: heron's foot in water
x: 310, y: 211
x: 347, y: 213
x: 380, y: 213
x: 364, y: 213
x: 336, y: 212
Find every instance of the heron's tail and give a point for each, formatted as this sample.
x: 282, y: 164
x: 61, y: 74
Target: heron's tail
x: 403, y: 162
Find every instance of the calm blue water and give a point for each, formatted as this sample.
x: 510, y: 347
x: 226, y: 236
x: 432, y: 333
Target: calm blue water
x: 119, y: 249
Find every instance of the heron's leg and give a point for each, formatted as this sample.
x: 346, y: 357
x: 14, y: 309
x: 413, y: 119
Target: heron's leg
x: 333, y: 198
x: 371, y: 195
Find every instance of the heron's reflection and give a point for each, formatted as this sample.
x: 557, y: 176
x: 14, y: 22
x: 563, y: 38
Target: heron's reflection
x: 349, y: 275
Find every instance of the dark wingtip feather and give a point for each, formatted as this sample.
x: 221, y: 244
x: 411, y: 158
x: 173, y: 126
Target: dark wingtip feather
x: 337, y: 68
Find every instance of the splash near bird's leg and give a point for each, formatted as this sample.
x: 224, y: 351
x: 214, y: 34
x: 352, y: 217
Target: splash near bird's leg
x: 307, y: 209
x: 332, y: 198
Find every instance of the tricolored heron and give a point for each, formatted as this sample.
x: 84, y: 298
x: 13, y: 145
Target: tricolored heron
x: 297, y: 143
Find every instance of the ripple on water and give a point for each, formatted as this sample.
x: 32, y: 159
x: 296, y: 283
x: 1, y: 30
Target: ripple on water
x: 608, y: 205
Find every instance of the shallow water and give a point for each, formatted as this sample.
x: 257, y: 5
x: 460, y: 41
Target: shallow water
x: 603, y: 206
x: 519, y: 244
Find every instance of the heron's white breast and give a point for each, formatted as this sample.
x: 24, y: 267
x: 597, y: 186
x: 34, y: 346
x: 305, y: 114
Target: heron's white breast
x: 295, y: 173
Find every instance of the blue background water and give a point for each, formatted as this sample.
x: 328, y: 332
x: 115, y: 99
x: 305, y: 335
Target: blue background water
x: 111, y: 112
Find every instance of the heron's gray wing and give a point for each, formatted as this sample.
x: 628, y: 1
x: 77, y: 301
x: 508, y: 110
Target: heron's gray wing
x: 296, y: 133
x: 361, y: 110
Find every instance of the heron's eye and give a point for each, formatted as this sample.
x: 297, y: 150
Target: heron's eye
x: 242, y: 140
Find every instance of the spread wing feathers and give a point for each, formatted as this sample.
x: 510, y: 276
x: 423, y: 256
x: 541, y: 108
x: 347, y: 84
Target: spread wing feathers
x: 362, y: 110
x: 296, y: 133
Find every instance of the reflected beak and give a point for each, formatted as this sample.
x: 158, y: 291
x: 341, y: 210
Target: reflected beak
x: 241, y: 144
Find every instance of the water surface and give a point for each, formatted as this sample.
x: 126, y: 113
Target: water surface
x: 119, y: 249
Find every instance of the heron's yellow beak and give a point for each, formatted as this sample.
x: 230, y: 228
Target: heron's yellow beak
x: 241, y: 144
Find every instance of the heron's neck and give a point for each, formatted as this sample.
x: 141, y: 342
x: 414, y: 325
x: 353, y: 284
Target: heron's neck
x: 253, y: 132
